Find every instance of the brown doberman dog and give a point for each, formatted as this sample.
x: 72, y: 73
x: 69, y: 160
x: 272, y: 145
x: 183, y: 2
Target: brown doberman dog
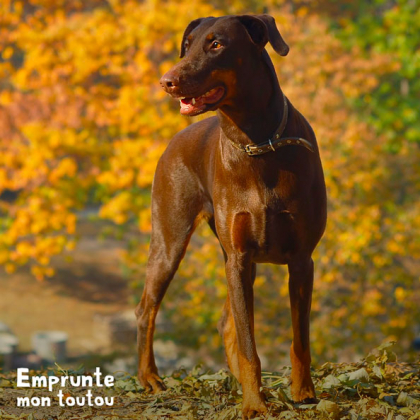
x: 253, y: 172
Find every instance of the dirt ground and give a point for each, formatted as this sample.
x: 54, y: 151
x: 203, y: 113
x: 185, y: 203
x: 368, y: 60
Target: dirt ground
x: 90, y: 284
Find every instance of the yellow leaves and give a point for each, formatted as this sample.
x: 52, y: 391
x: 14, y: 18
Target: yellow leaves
x: 40, y: 272
x: 302, y: 11
x: 329, y: 277
x: 168, y: 46
x: 284, y: 289
x: 373, y: 305
x: 39, y: 217
x: 133, y: 164
x: 10, y: 268
x: 118, y: 208
x: 39, y: 249
x: 380, y: 260
x: 70, y: 225
x: 353, y: 241
x: 65, y: 58
x: 67, y: 167
x: 3, y: 179
x: 145, y: 176
x: 6, y: 97
x: 398, y: 323
x: 7, y: 53
x: 400, y: 294
x: 259, y: 281
x: 395, y: 247
x: 20, y: 225
x: 145, y: 220
x: 18, y: 7
x: 32, y: 236
x: 24, y: 249
x: 39, y: 225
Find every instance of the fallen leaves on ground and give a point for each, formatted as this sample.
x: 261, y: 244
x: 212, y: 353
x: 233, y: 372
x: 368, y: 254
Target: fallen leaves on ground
x: 377, y: 387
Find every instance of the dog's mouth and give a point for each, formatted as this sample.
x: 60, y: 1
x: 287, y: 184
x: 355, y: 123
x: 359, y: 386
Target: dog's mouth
x: 196, y: 105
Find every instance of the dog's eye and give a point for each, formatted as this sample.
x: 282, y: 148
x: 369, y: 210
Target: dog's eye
x: 216, y: 45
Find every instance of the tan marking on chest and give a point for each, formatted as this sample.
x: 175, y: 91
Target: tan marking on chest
x: 240, y: 233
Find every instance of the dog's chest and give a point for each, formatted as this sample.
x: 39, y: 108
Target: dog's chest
x: 257, y: 218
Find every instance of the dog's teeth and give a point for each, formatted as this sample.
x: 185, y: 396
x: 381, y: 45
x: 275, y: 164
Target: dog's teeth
x: 193, y: 101
x: 181, y: 98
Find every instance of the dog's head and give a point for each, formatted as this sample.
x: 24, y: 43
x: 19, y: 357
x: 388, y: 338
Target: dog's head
x: 216, y: 53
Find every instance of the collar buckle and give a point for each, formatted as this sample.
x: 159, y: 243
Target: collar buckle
x: 248, y: 150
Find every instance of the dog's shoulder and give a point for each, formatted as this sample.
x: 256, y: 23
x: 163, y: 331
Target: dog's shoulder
x: 197, y: 135
x: 190, y: 151
x: 189, y: 154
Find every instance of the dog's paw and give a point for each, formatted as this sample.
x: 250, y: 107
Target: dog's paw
x: 253, y: 409
x: 304, y: 394
x: 152, y: 382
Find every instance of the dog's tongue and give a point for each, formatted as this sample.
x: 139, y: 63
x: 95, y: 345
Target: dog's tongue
x: 190, y: 105
x: 194, y: 105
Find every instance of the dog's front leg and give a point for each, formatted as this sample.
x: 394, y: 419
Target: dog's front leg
x: 159, y: 275
x: 162, y: 265
x: 239, y: 272
x: 173, y: 224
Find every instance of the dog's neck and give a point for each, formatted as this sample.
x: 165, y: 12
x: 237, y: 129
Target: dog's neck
x: 258, y: 109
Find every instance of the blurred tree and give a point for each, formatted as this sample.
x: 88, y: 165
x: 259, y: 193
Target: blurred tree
x: 83, y: 122
x: 390, y: 27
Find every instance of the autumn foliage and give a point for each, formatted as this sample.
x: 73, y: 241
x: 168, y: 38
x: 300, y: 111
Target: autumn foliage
x: 83, y: 122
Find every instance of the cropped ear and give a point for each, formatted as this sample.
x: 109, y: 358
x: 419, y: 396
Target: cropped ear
x: 191, y: 26
x: 256, y: 29
x: 274, y: 37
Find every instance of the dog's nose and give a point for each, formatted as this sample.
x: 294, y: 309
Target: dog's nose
x: 169, y: 82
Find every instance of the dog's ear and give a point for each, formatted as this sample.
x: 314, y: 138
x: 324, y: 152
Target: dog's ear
x: 256, y: 28
x: 191, y: 26
x: 273, y: 34
x: 274, y: 37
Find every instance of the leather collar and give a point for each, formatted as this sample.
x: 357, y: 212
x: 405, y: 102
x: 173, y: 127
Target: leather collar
x: 275, y: 142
